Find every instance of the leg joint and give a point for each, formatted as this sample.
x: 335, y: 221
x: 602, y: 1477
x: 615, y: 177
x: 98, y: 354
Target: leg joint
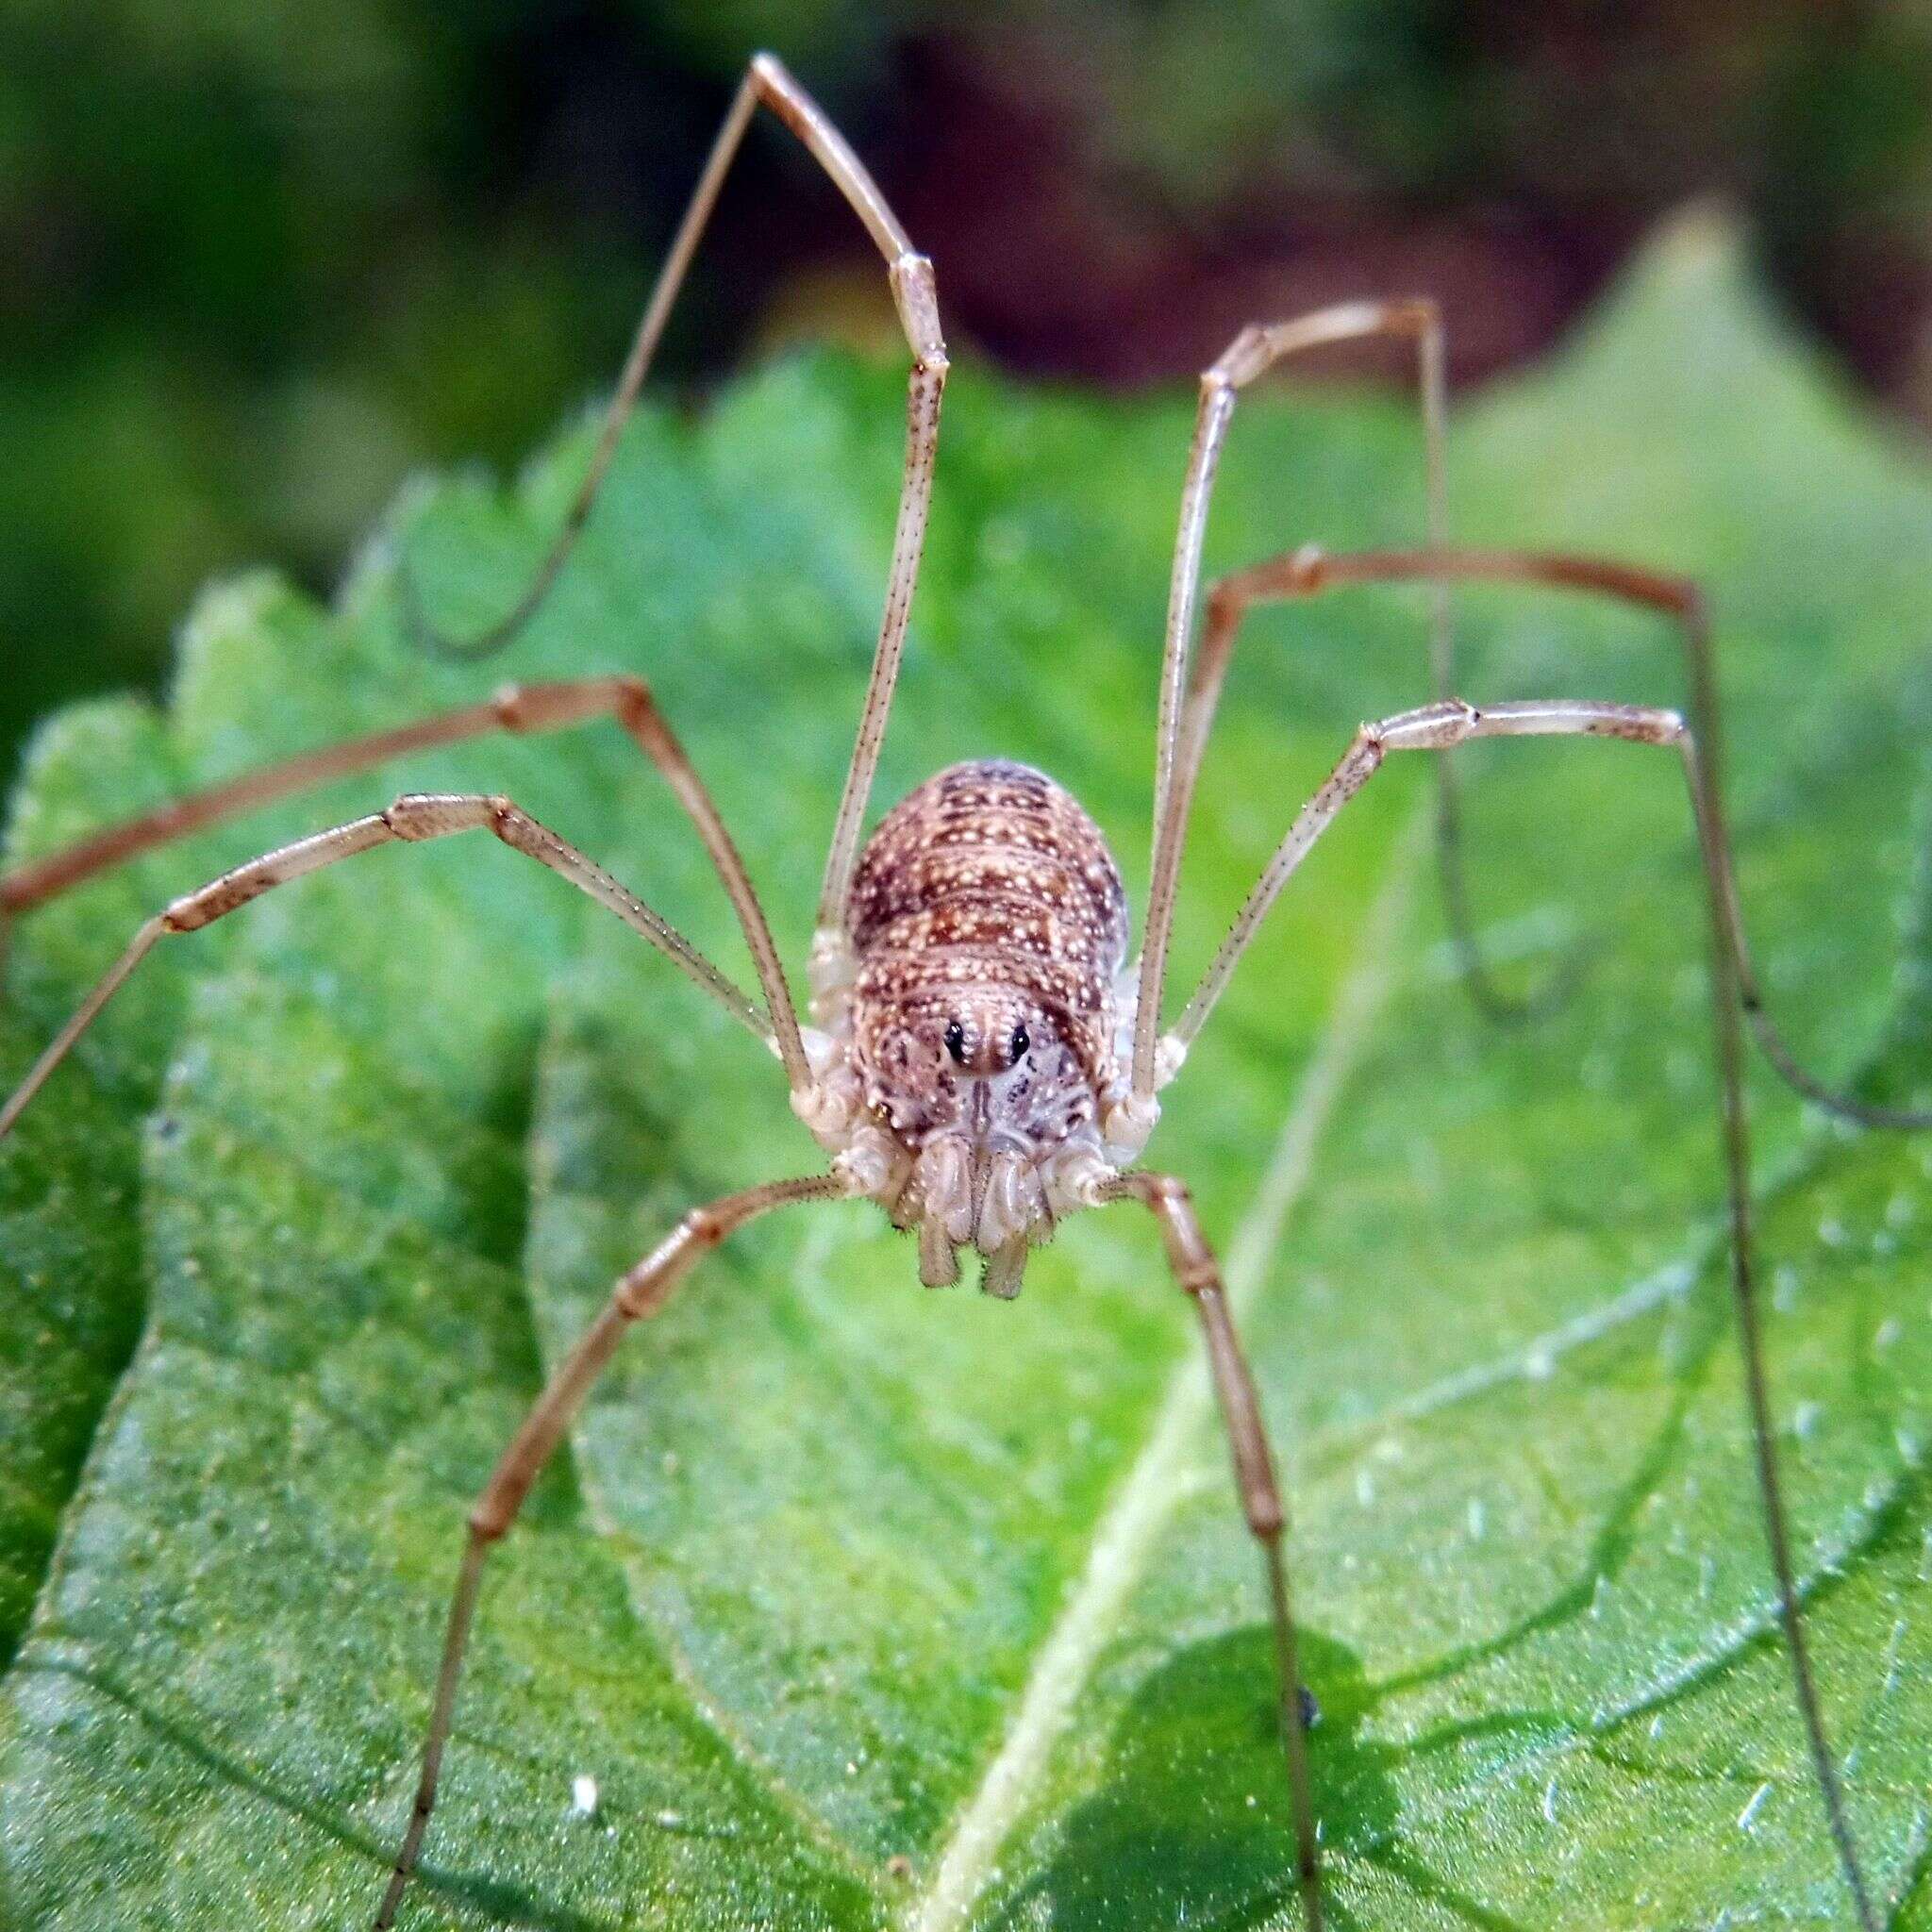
x: 1167, y: 1193
x: 704, y: 1227
x: 1266, y: 1517
x: 637, y: 712
x: 1196, y: 1275
x: 436, y: 814
x: 1421, y: 314
x: 916, y: 297
x: 194, y: 910
x: 491, y: 1517
x: 770, y: 78
x: 642, y: 1291
x: 529, y: 707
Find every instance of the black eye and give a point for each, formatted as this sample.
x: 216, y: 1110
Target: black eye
x: 956, y: 1040
x: 1017, y: 1051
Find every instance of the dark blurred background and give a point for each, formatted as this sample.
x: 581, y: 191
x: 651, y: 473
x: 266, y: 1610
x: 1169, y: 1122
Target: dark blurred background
x: 264, y: 257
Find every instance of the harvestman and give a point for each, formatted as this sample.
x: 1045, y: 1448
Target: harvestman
x: 984, y: 1061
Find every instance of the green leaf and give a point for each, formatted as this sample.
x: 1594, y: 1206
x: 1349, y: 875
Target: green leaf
x: 864, y: 1606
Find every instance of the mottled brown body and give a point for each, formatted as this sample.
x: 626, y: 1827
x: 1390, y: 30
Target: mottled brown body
x: 986, y: 904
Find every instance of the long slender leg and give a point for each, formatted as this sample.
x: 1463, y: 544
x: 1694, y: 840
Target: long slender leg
x: 1177, y: 751
x: 521, y: 709
x: 1199, y: 1276
x: 1438, y: 727
x: 414, y: 817
x: 1228, y: 601
x: 1308, y: 572
x: 767, y: 83
x: 637, y: 1296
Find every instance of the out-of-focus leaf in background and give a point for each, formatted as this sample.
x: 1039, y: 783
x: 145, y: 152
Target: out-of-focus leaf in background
x: 840, y: 1582
x: 264, y: 259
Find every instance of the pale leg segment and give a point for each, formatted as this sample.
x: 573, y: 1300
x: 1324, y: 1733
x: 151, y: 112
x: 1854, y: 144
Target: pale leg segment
x: 417, y: 816
x: 1308, y: 572
x: 637, y: 1296
x: 1177, y: 751
x: 768, y: 84
x: 1198, y: 1274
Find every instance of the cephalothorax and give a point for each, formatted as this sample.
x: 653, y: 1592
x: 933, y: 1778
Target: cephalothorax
x: 983, y: 1058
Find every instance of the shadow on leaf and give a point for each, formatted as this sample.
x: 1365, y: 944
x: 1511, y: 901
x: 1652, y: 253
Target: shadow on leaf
x: 1190, y: 1824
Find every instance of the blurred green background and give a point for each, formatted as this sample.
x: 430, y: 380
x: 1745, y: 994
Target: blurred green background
x: 264, y: 259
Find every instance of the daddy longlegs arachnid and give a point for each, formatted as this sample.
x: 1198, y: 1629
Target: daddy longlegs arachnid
x: 984, y: 1055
